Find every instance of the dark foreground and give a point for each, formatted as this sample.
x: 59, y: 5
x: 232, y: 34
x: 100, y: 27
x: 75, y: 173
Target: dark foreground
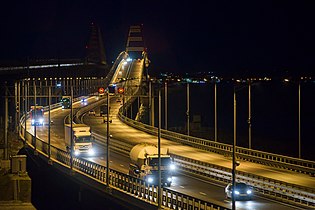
x: 52, y: 190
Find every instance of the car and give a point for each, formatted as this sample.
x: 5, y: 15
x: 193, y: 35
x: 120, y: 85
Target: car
x: 92, y: 112
x: 242, y: 191
x: 105, y: 119
x: 84, y: 101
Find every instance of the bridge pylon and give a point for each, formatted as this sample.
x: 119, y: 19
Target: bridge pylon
x: 95, y: 46
x: 135, y: 42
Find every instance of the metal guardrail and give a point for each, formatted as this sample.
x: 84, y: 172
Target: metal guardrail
x: 275, y: 189
x: 275, y: 160
x: 282, y: 191
x: 285, y: 192
x: 117, y: 180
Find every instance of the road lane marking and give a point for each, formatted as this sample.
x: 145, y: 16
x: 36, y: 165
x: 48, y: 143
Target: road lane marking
x: 202, y: 193
x: 181, y: 186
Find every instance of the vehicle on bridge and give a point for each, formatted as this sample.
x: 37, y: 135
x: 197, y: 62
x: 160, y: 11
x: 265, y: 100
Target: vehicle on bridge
x: 145, y: 161
x: 110, y: 119
x: 66, y: 102
x: 37, y: 115
x: 84, y: 101
x: 111, y: 89
x: 242, y: 191
x: 82, y: 139
x: 103, y: 110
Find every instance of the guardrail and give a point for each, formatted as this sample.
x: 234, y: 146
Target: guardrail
x: 117, y: 180
x: 275, y: 160
x: 275, y: 189
x: 285, y: 192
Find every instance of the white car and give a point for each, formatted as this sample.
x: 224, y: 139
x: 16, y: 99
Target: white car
x: 92, y: 112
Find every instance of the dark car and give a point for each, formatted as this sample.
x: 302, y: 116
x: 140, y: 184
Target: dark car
x: 242, y: 191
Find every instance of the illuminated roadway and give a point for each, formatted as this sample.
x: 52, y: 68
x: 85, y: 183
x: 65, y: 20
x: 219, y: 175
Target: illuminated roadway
x: 181, y: 183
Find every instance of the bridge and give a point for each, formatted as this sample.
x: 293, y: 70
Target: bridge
x: 204, y: 167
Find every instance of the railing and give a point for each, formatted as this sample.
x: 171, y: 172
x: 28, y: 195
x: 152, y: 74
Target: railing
x: 275, y: 160
x: 117, y: 180
x: 286, y: 192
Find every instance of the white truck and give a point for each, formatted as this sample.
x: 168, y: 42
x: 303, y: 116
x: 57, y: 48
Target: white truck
x: 82, y: 139
x: 145, y: 161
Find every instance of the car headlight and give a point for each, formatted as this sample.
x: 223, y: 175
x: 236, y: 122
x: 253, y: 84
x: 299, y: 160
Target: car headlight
x: 91, y: 152
x: 41, y: 121
x: 76, y: 152
x: 172, y: 167
x: 169, y: 179
x: 33, y: 121
x: 236, y: 192
x: 62, y: 107
x: 249, y: 192
x: 150, y: 179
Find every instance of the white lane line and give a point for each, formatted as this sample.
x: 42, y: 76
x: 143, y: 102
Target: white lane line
x: 121, y: 165
x: 181, y: 186
x: 202, y: 193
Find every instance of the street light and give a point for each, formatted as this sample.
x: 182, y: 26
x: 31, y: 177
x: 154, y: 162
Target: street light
x: 107, y: 142
x: 159, y: 153
x: 187, y: 113
x: 300, y: 119
x: 233, y: 154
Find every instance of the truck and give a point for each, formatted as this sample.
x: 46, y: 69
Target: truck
x: 144, y: 164
x: 37, y: 115
x: 103, y: 110
x: 66, y: 102
x: 82, y: 139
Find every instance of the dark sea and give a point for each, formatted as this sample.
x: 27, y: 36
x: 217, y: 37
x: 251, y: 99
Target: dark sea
x: 274, y: 115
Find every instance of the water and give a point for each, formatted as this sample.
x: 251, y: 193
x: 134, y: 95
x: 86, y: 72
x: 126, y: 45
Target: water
x: 274, y: 115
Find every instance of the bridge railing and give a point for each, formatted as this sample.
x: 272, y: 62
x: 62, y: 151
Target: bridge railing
x: 281, y: 161
x: 275, y: 189
x: 117, y: 180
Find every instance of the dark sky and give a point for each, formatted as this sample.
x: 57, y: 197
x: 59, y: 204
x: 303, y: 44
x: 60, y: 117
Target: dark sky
x: 183, y: 36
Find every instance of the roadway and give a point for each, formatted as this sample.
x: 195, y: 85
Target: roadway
x: 181, y: 183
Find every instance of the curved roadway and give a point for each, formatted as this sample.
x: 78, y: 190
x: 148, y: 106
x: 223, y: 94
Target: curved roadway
x: 181, y: 183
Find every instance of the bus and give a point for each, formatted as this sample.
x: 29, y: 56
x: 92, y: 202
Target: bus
x: 111, y: 89
x: 66, y: 102
x: 37, y: 115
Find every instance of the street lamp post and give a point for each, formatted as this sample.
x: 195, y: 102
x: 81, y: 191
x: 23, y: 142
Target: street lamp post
x: 71, y: 126
x: 165, y: 89
x: 215, y: 113
x: 107, y: 142
x: 299, y: 119
x: 187, y: 113
x: 159, y: 153
x: 49, y: 121
x: 35, y: 116
x: 249, y: 117
x: 233, y: 153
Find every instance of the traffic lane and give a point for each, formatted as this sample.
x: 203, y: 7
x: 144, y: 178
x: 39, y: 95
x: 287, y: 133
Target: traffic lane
x: 211, y: 192
x: 57, y: 127
x: 192, y: 186
x: 255, y: 204
x: 133, y: 136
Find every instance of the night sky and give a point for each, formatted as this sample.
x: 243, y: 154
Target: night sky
x: 183, y: 36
